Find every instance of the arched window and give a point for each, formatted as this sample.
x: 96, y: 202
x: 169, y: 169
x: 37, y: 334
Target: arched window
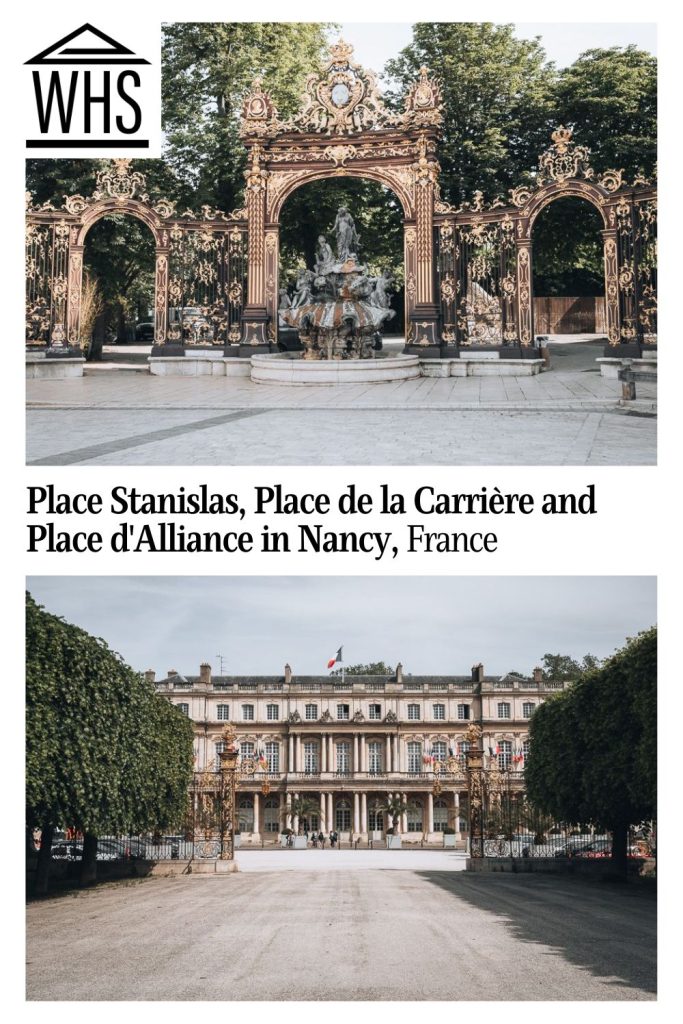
x: 504, y: 753
x: 439, y: 750
x: 414, y: 757
x: 245, y: 814
x: 503, y: 710
x: 271, y: 814
x: 374, y: 757
x: 375, y: 817
x: 272, y: 751
x: 440, y: 815
x: 415, y: 816
x: 223, y: 712
x: 342, y: 816
x: 311, y: 757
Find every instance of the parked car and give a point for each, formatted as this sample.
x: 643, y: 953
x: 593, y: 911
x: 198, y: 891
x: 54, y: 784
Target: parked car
x: 144, y: 332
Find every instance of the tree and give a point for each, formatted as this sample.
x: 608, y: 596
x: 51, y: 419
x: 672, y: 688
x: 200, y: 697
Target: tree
x: 104, y: 754
x: 609, y: 96
x: 563, y: 668
x: 498, y: 102
x: 301, y: 809
x: 374, y: 668
x: 395, y: 807
x: 592, y: 755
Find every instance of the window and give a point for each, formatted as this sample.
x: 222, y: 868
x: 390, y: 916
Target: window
x: 219, y: 748
x: 463, y: 711
x: 413, y: 712
x: 245, y: 814
x: 247, y: 749
x: 440, y: 815
x: 311, y: 712
x: 272, y: 712
x: 374, y: 757
x: 504, y: 754
x: 439, y: 712
x: 223, y: 712
x: 375, y: 817
x: 184, y: 709
x: 273, y: 756
x: 463, y: 747
x: 271, y: 814
x: 343, y: 712
x: 439, y: 750
x: 342, y: 816
x: 375, y: 712
x: 503, y: 710
x: 311, y: 758
x: 415, y: 816
x: 343, y: 758
x: 414, y: 757
x: 247, y: 712
x: 528, y: 709
x: 525, y: 749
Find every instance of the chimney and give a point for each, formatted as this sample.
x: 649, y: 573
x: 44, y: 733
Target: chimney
x: 288, y: 673
x: 478, y: 673
x: 150, y: 675
x: 172, y: 672
x: 399, y: 673
x: 205, y: 673
x: 538, y: 675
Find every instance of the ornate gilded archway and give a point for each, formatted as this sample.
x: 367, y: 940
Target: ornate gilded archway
x: 343, y: 129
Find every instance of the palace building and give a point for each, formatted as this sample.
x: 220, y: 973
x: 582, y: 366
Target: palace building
x: 347, y: 746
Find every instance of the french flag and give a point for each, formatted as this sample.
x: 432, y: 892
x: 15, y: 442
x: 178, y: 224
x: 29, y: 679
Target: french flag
x: 337, y: 658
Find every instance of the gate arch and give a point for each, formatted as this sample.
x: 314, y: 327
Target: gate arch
x: 342, y: 129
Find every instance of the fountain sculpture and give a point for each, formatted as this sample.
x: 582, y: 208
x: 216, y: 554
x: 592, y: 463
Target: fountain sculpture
x: 338, y: 308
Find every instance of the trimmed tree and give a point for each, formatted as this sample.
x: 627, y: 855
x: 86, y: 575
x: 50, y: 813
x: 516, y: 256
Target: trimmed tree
x: 592, y: 755
x: 104, y: 754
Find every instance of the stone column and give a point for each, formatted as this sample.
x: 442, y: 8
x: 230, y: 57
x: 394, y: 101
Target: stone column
x: 330, y: 753
x: 288, y: 804
x: 364, y: 812
x: 323, y: 753
x: 330, y: 811
x: 524, y: 292
x: 323, y: 812
x: 298, y: 765
x: 363, y: 753
x: 290, y: 754
x: 355, y: 765
x: 257, y: 814
x: 611, y: 261
x: 456, y: 808
x: 387, y: 755
x: 356, y: 814
x: 430, y: 812
x: 404, y: 816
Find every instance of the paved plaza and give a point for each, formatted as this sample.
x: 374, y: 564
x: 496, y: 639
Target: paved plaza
x: 330, y: 926
x: 567, y: 416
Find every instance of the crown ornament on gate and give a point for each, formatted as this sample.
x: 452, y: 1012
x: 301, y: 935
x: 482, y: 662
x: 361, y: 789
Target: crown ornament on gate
x: 344, y: 99
x: 564, y: 159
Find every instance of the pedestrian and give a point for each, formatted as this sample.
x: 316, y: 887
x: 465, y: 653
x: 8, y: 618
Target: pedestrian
x: 321, y: 839
x: 336, y: 837
x: 314, y: 840
x: 332, y: 840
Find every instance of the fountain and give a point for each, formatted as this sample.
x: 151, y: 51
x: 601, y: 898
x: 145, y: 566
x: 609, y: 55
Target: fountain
x: 339, y: 311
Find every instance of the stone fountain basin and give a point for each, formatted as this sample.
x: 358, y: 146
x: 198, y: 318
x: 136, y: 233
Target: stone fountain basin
x: 290, y: 368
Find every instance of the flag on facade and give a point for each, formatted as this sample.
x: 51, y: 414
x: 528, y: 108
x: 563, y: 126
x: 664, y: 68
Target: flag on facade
x: 337, y: 658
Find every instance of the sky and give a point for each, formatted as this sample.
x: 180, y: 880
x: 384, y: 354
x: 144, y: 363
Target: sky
x: 431, y: 624
x: 374, y: 44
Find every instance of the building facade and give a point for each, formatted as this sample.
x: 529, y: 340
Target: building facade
x: 347, y: 746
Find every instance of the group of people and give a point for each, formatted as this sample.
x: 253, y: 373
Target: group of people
x: 317, y: 839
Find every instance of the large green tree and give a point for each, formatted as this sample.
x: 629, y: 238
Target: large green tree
x: 104, y: 754
x: 592, y: 754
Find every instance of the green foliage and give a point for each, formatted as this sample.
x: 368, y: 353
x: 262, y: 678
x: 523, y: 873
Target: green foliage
x: 593, y: 747
x: 103, y: 752
x: 207, y: 69
x: 395, y: 806
x: 568, y: 249
x: 373, y: 668
x: 563, y: 668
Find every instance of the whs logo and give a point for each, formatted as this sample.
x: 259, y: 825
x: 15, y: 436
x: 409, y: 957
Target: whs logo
x: 90, y: 92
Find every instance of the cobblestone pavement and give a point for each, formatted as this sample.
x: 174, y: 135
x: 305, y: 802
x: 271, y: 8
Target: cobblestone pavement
x: 418, y: 934
x: 130, y: 418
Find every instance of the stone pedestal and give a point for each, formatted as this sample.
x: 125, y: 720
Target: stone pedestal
x: 41, y: 366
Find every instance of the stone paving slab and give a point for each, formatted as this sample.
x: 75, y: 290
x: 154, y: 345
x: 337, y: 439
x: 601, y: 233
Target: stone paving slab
x: 336, y: 437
